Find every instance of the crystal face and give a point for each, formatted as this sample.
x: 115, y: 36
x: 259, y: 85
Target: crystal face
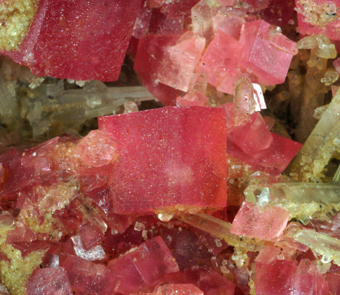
x: 64, y: 35
x: 184, y: 148
x: 169, y: 147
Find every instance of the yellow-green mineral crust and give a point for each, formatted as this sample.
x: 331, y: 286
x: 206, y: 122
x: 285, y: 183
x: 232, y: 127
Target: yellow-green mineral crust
x: 16, y: 17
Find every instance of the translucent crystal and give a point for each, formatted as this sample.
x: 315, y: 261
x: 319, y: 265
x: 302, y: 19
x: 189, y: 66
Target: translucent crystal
x: 319, y: 146
x: 221, y: 229
x: 202, y: 24
x: 93, y: 254
x: 308, y: 42
x: 244, y: 100
x: 331, y: 76
x: 322, y: 244
x: 303, y: 200
x: 95, y: 99
x: 321, y: 48
x: 318, y: 112
x: 130, y: 107
x: 180, y: 60
x: 85, y: 276
x: 48, y: 281
x: 266, y: 223
x: 169, y: 152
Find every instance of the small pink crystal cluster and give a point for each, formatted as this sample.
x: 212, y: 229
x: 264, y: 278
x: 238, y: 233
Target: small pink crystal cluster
x: 224, y: 47
x: 109, y: 213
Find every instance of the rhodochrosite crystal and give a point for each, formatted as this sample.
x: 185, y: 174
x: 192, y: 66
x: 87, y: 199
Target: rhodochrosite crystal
x: 282, y: 276
x: 174, y: 159
x: 49, y: 281
x: 272, y: 160
x: 141, y: 267
x: 264, y: 223
x: 263, y: 54
x: 77, y: 39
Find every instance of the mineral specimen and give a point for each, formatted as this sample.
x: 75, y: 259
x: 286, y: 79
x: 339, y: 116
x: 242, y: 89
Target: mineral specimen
x: 136, y: 202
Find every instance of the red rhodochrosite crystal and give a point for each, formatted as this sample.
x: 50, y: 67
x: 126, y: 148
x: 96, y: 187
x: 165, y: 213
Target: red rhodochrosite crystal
x: 272, y: 160
x: 168, y: 60
x: 21, y: 233
x: 86, y: 276
x: 221, y: 61
x: 150, y: 53
x: 252, y: 136
x: 174, y: 157
x: 207, y: 280
x: 49, y: 281
x: 276, y: 277
x: 79, y: 40
x: 141, y: 266
x: 333, y: 280
x: 267, y: 61
x: 280, y: 13
x: 282, y: 276
x: 263, y: 223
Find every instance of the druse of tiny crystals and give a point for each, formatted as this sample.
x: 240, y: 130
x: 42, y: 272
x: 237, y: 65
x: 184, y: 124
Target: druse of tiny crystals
x: 191, y: 147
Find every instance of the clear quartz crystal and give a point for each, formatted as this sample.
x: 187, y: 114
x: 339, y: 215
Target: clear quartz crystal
x: 321, y: 48
x: 165, y: 216
x: 245, y: 103
x: 331, y: 77
x: 95, y: 253
x: 130, y: 107
x: 320, y: 145
x: 322, y: 244
x: 221, y: 229
x: 54, y: 106
x: 303, y: 200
